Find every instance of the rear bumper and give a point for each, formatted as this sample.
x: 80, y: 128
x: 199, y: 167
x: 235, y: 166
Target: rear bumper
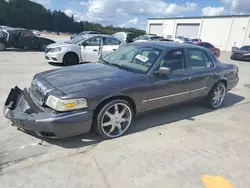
x: 27, y: 116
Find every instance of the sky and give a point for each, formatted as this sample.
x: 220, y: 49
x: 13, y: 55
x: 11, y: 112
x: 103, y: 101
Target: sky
x: 134, y: 13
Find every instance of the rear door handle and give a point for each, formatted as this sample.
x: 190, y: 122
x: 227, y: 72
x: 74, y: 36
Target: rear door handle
x: 114, y: 49
x: 95, y: 50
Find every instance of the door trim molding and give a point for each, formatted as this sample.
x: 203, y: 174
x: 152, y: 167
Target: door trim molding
x: 200, y: 89
x: 166, y: 96
x: 177, y: 94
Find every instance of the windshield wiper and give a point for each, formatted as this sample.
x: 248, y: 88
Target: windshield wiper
x: 115, y: 65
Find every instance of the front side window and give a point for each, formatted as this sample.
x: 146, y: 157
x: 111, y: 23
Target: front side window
x: 199, y: 59
x: 174, y: 60
x: 77, y: 39
x: 110, y: 41
x: 134, y: 58
x: 94, y: 41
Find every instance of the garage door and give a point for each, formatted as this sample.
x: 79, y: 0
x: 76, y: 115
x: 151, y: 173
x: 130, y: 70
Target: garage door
x: 187, y: 30
x: 156, y: 29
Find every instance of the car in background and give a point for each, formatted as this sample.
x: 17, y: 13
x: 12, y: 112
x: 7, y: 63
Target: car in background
x: 3, y: 27
x: 104, y: 96
x: 85, y: 33
x: 23, y: 39
x: 180, y: 39
x: 195, y: 40
x: 242, y: 53
x: 37, y: 33
x: 147, y: 37
x: 82, y: 49
x: 126, y: 37
x: 209, y: 46
x: 161, y: 39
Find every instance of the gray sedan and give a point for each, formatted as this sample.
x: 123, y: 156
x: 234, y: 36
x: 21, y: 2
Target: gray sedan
x: 107, y: 94
x: 81, y: 49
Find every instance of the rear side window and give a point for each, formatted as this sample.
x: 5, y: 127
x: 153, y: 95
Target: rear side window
x: 199, y: 59
x: 110, y: 41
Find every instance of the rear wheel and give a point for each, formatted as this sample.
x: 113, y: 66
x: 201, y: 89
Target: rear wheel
x: 70, y: 59
x: 114, y: 119
x: 216, y: 96
x: 2, y: 46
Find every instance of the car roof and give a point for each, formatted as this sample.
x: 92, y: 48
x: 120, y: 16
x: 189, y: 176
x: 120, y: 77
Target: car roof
x: 164, y: 45
x: 99, y: 35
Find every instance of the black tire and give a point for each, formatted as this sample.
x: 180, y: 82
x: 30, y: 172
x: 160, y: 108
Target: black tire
x: 43, y: 47
x: 70, y: 59
x: 100, y: 116
x: 211, y: 95
x: 2, y: 46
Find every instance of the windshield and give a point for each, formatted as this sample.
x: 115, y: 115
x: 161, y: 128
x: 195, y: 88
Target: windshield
x: 77, y: 39
x: 134, y: 58
x: 245, y: 48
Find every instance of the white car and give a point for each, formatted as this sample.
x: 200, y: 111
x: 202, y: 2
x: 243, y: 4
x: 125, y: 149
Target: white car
x: 179, y: 39
x: 81, y: 49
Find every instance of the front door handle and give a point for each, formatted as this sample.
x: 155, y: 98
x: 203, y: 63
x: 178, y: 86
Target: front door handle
x: 114, y: 49
x: 95, y: 50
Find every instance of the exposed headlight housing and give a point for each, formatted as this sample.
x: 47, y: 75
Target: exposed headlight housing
x: 58, y: 49
x: 63, y: 105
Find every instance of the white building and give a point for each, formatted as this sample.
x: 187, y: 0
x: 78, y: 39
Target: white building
x: 223, y: 32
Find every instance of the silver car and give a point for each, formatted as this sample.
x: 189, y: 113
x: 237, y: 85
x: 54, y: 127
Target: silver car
x: 81, y: 49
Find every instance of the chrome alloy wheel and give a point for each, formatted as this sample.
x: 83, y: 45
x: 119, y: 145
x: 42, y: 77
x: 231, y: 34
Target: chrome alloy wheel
x: 116, y: 120
x: 218, y: 95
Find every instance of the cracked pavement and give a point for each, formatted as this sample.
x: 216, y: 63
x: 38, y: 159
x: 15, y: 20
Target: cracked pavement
x: 171, y: 147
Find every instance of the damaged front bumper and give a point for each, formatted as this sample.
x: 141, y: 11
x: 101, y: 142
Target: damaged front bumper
x: 26, y: 115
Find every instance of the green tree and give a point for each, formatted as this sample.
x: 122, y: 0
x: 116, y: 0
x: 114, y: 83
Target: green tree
x: 30, y: 15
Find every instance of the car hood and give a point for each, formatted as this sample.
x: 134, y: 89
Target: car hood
x: 87, y: 76
x: 60, y: 44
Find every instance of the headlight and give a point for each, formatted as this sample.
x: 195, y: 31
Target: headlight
x: 247, y: 54
x: 67, y: 104
x: 58, y: 49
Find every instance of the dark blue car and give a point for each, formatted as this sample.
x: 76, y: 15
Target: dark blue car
x: 107, y: 94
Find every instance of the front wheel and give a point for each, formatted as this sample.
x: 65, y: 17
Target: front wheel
x: 216, y: 96
x: 2, y: 46
x: 43, y: 47
x: 114, y: 119
x: 70, y: 59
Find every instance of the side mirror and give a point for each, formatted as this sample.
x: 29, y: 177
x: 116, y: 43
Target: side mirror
x: 163, y: 71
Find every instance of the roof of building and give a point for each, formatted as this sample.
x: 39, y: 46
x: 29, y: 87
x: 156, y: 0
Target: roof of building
x: 163, y: 45
x: 198, y: 17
